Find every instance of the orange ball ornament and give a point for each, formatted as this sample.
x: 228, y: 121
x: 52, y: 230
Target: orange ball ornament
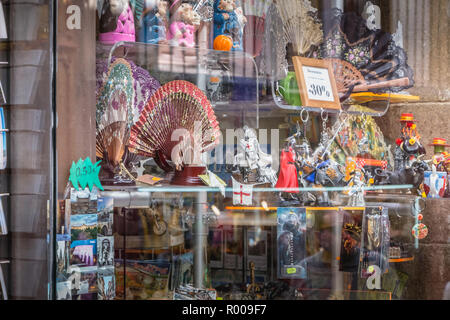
x: 223, y: 43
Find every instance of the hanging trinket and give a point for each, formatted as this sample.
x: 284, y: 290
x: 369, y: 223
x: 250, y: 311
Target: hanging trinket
x: 419, y: 230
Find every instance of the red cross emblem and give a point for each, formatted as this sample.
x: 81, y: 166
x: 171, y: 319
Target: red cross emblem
x: 242, y: 194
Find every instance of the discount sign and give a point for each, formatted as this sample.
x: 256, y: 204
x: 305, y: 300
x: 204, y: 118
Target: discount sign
x: 316, y: 83
x: 85, y: 173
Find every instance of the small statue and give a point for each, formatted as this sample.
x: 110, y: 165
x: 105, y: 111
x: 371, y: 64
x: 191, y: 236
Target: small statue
x: 116, y: 22
x: 254, y: 164
x: 154, y: 22
x: 230, y: 21
x: 408, y: 145
x: 184, y: 23
x: 439, y: 155
x: 288, y: 172
x: 355, y: 178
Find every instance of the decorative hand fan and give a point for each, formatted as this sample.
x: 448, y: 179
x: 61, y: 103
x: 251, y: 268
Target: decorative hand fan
x: 373, y: 53
x: 176, y: 105
x: 302, y: 28
x: 144, y: 84
x: 255, y: 12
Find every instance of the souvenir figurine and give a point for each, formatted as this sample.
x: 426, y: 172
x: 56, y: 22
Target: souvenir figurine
x: 440, y: 154
x: 355, y: 179
x: 154, y: 22
x: 288, y: 172
x: 116, y: 22
x: 255, y: 166
x: 184, y: 22
x: 408, y: 145
x: 229, y: 21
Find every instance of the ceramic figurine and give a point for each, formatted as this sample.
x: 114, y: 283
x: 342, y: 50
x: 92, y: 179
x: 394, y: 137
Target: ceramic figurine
x: 116, y: 22
x: 255, y: 165
x: 355, y: 179
x: 288, y: 172
x: 408, y: 145
x: 154, y: 22
x: 440, y: 154
x: 229, y: 21
x: 184, y: 22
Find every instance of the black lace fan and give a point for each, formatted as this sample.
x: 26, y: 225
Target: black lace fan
x: 373, y: 53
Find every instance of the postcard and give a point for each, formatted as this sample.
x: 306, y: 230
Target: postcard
x: 62, y: 259
x: 83, y: 226
x: 83, y: 253
x: 105, y: 247
x: 106, y: 284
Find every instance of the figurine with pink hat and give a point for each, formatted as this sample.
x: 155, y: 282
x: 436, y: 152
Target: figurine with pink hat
x: 116, y: 22
x: 408, y: 147
x: 184, y: 23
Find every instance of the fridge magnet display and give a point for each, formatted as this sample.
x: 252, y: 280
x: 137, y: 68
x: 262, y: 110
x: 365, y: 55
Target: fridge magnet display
x: 184, y: 22
x: 229, y: 21
x: 375, y: 246
x: 3, y: 146
x: 316, y: 83
x: 106, y: 284
x: 83, y: 253
x: 291, y: 242
x: 154, y: 22
x: 105, y: 249
x: 116, y: 22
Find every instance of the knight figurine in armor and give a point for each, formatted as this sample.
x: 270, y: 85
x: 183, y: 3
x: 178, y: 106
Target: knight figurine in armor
x: 288, y: 178
x: 116, y: 22
x: 230, y: 21
x: 252, y: 160
x: 154, y: 22
x: 184, y: 22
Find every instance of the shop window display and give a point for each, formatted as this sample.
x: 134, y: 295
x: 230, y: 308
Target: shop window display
x: 241, y: 150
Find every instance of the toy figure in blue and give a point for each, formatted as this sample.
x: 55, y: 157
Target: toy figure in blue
x: 229, y: 21
x: 153, y: 24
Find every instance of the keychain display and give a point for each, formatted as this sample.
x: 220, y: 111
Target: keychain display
x: 419, y: 230
x: 376, y: 239
x: 291, y: 242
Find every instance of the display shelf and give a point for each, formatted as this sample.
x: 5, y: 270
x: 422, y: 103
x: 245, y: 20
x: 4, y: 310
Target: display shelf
x: 374, y: 108
x: 398, y: 260
x: 172, y: 59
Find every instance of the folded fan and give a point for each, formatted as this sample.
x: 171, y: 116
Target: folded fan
x: 176, y: 105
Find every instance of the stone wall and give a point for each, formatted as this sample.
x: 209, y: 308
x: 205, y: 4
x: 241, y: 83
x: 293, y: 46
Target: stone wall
x: 426, y: 40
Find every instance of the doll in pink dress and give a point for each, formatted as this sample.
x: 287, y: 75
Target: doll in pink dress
x: 117, y: 22
x: 184, y: 24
